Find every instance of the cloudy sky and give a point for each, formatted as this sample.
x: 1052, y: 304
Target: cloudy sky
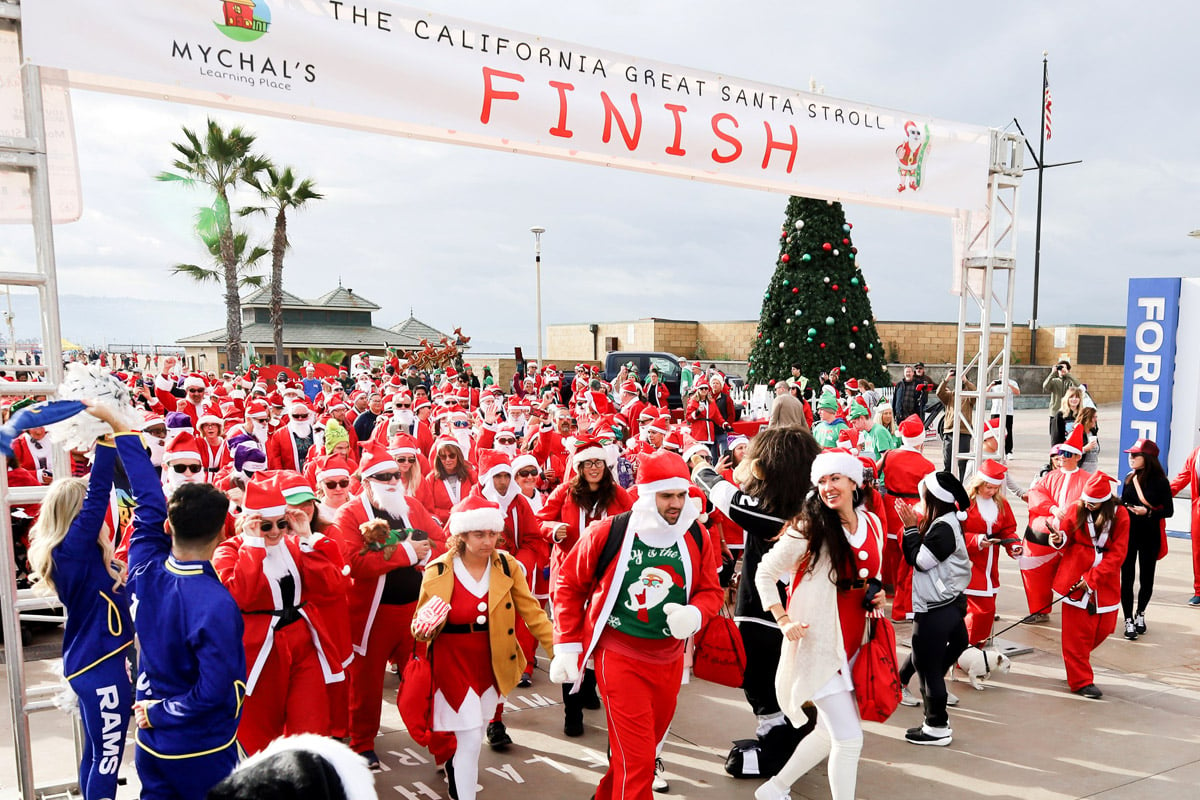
x: 445, y: 230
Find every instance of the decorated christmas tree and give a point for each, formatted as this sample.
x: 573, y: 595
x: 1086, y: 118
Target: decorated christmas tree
x: 816, y: 310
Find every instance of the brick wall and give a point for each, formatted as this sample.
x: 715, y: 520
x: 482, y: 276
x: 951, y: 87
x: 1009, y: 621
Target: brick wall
x: 727, y: 341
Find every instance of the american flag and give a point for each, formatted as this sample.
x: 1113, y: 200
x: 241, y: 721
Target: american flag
x: 1046, y: 102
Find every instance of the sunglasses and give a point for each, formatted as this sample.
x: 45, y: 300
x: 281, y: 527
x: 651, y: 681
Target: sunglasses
x: 300, y: 417
x: 182, y: 468
x: 385, y: 477
x: 406, y: 459
x: 341, y: 484
x: 405, y: 405
x: 527, y: 473
x: 506, y: 441
x: 448, y: 456
x: 461, y: 423
x: 280, y: 525
x: 195, y: 391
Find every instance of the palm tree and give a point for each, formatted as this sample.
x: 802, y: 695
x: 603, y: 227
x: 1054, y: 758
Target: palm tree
x: 246, y: 264
x: 221, y: 161
x: 279, y: 193
x: 318, y: 356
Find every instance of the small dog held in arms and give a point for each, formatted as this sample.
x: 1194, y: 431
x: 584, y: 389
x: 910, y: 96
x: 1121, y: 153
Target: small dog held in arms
x: 979, y: 663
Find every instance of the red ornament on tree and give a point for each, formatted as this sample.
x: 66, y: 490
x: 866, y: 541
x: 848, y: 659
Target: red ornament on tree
x: 843, y: 301
x: 866, y: 288
x: 827, y: 247
x: 834, y: 287
x: 795, y: 290
x: 849, y: 224
x: 852, y: 327
x: 822, y: 345
x: 785, y: 258
x: 845, y: 241
x: 854, y: 250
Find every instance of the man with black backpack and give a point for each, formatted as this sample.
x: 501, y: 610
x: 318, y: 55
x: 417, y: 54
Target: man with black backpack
x: 630, y: 593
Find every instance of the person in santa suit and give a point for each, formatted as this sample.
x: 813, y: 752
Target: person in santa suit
x: 338, y: 408
x: 527, y: 475
x: 1094, y: 537
x: 35, y: 453
x: 182, y: 463
x: 901, y: 471
x: 385, y: 581
x: 657, y: 393
x: 422, y: 427
x: 545, y: 444
x: 288, y: 447
x: 449, y: 480
x: 704, y: 417
x: 591, y: 495
x: 482, y: 597
x: 166, y: 387
x: 1051, y: 499
x: 333, y: 479
x: 281, y: 578
x: 990, y: 527
x: 832, y: 556
x: 633, y: 615
x: 630, y: 403
x: 256, y: 424
x: 214, y: 455
x: 1189, y: 477
x: 192, y: 403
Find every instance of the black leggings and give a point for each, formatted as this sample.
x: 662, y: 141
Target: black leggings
x: 762, y: 643
x: 939, y: 638
x: 1143, y: 555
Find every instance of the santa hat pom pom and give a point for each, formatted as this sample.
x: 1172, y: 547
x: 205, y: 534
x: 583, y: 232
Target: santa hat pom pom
x: 962, y: 516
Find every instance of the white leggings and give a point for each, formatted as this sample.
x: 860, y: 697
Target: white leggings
x: 838, y: 735
x: 466, y: 761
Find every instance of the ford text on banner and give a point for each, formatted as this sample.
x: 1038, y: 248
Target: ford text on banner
x: 398, y: 70
x: 1150, y: 336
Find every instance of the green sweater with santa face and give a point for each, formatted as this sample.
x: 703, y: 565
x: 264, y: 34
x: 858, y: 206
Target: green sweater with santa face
x: 653, y: 578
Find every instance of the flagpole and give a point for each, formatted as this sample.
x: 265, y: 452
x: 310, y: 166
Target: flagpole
x: 1037, y: 237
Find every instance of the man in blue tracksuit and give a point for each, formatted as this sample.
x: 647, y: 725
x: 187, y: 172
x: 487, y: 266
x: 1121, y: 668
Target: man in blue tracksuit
x: 192, y: 667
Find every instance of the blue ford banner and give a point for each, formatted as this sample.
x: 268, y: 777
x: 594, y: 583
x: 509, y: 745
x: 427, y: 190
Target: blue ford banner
x: 1151, y: 327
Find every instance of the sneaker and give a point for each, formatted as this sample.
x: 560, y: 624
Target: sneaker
x: 497, y: 735
x: 1090, y: 691
x: 951, y: 698
x: 372, y: 760
x: 907, y: 699
x: 1130, y: 631
x: 526, y: 680
x: 937, y: 737
x: 1195, y: 601
x: 1139, y: 624
x: 771, y: 791
x: 660, y: 778
x: 1036, y: 619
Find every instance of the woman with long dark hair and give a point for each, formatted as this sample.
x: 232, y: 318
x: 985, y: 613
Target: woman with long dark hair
x: 935, y: 547
x: 589, y: 496
x: 833, y: 551
x: 449, y: 481
x: 1146, y: 495
x: 767, y: 490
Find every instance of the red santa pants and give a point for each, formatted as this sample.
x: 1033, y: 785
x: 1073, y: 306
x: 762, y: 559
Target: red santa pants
x: 639, y: 702
x: 390, y: 640
x: 1196, y: 545
x: 1039, y: 579
x: 981, y: 613
x: 1081, y: 634
x: 289, y: 696
x: 339, y: 707
x: 902, y: 602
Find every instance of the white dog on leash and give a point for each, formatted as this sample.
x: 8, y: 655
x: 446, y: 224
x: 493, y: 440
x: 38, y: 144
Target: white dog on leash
x: 979, y: 664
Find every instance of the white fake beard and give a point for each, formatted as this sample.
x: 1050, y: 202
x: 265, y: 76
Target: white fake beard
x: 156, y: 447
x: 319, y: 440
x: 390, y: 498
x: 404, y: 418
x: 177, y: 479
x: 300, y: 427
x: 507, y: 449
x: 258, y: 430
x: 463, y: 437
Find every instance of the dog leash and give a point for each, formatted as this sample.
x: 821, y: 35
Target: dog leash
x: 1022, y: 620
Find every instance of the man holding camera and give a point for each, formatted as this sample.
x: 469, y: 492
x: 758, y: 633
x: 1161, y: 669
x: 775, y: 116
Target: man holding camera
x: 1057, y: 383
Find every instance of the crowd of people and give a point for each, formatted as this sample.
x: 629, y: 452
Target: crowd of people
x: 278, y: 546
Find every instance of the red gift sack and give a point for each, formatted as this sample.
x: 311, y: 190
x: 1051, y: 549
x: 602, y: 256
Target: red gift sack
x: 719, y: 655
x: 415, y: 702
x: 875, y: 673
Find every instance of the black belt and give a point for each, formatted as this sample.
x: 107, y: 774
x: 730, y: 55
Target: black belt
x: 467, y: 627
x: 287, y: 615
x: 1038, y: 538
x: 905, y: 495
x: 847, y: 584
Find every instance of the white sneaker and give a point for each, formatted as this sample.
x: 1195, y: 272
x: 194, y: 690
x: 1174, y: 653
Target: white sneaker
x: 660, y: 784
x: 951, y: 698
x: 907, y: 699
x: 771, y: 791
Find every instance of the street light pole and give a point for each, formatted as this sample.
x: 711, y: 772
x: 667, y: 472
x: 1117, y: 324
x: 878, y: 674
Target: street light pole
x: 537, y: 232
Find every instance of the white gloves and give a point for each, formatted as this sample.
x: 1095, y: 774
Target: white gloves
x: 683, y: 621
x: 564, y: 668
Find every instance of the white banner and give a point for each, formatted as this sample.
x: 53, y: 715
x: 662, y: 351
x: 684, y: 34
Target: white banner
x: 388, y: 68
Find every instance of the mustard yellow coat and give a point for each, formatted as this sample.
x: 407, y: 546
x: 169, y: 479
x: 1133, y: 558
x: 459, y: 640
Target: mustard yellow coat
x: 508, y: 595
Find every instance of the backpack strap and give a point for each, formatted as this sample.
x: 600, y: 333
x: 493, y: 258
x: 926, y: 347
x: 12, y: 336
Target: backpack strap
x: 612, y: 545
x: 504, y: 557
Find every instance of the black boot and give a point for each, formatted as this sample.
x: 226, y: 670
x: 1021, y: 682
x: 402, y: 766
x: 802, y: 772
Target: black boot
x: 572, y: 711
x: 591, y: 699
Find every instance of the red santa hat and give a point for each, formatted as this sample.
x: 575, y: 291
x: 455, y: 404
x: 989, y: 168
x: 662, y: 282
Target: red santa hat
x: 992, y: 471
x: 662, y: 471
x: 420, y: 403
x: 152, y: 418
x: 334, y: 466
x: 275, y: 400
x: 336, y: 401
x: 1098, y: 488
x: 836, y: 462
x: 299, y: 407
x: 491, y: 464
x: 448, y: 441
x: 673, y: 441
x: 588, y: 448
x: 665, y: 573
x: 264, y: 498
x: 475, y: 513
x: 257, y: 409
x: 210, y: 415
x: 629, y: 387
x: 376, y: 459
x: 852, y: 384
x: 294, y: 487
x: 693, y: 448
x: 850, y: 440
x: 1074, y: 443
x: 195, y: 381
x: 524, y: 461
x: 912, y: 430
x: 701, y: 383
x: 403, y: 444
x: 182, y: 448
x: 661, y: 425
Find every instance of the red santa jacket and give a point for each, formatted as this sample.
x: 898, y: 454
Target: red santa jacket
x: 658, y: 395
x: 1096, y: 557
x: 23, y: 452
x: 281, y: 450
x: 368, y: 568
x: 164, y: 392
x: 214, y: 458
x: 902, y: 469
x: 985, y: 562
x: 705, y: 419
x: 185, y: 406
x: 583, y: 602
x: 1054, y: 495
x: 434, y: 495
x: 524, y: 541
x: 551, y: 454
x: 560, y: 508
x: 239, y: 565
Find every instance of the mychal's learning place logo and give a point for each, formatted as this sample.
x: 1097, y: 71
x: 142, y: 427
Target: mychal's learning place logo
x: 245, y: 20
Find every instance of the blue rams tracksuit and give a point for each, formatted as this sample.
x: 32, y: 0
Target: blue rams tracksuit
x: 98, y: 632
x: 191, y: 659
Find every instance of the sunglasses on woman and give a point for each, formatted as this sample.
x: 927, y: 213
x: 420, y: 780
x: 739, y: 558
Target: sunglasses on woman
x: 527, y: 473
x: 280, y: 524
x: 406, y: 459
x: 182, y: 468
x: 340, y: 484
